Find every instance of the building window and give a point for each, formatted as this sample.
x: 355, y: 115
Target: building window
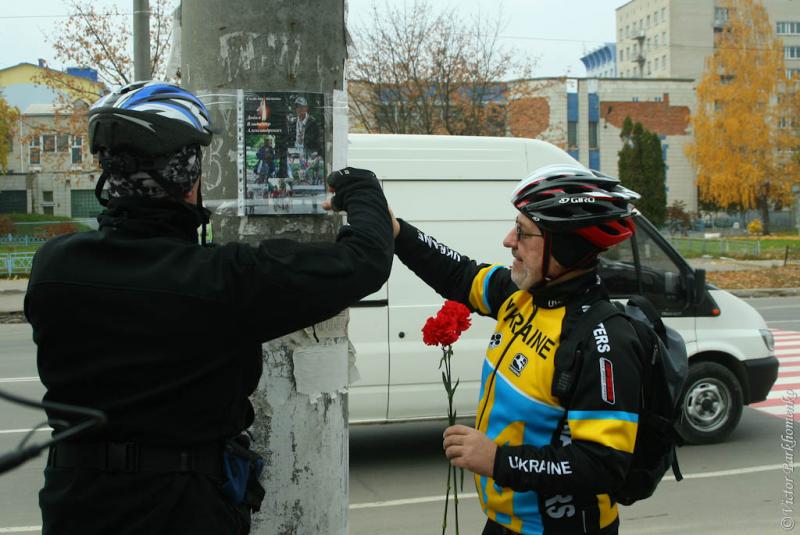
x: 77, y: 150
x: 664, y: 38
x: 792, y: 73
x: 663, y: 14
x: 648, y: 21
x: 49, y: 142
x: 622, y: 55
x: 655, y: 17
x: 84, y: 203
x: 47, y: 196
x: 635, y: 99
x: 35, y: 151
x: 572, y: 134
x: 658, y: 99
x: 593, y: 135
x: 791, y: 52
x: 62, y: 143
x: 720, y: 15
x: 655, y: 64
x: 788, y: 28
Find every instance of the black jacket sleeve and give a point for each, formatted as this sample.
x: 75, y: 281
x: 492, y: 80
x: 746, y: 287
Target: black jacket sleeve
x: 284, y: 285
x: 602, y: 420
x: 481, y: 287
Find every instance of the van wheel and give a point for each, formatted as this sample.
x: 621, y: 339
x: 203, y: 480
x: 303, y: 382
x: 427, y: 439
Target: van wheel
x: 711, y: 404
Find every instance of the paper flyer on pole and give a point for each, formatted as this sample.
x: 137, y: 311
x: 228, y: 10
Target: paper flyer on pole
x: 283, y: 153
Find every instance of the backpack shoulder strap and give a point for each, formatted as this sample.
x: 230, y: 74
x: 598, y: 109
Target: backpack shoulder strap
x: 647, y: 308
x: 568, y: 355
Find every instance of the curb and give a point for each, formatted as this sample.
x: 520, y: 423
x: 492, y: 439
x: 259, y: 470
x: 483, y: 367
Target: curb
x: 765, y: 292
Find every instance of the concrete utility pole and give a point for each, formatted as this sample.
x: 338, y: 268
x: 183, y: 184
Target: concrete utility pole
x: 301, y: 409
x: 141, y: 39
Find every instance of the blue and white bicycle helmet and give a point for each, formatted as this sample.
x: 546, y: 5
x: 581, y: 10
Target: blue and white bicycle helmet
x: 148, y: 119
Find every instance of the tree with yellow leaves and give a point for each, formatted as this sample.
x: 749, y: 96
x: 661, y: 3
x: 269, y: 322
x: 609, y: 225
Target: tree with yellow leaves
x: 744, y: 146
x: 8, y: 128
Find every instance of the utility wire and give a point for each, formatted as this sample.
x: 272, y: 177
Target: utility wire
x: 65, y: 16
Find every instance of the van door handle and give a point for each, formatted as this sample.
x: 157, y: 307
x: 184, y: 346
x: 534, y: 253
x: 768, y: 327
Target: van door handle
x: 401, y: 334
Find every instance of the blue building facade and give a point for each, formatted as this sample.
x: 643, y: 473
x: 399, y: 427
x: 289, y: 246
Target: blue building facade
x: 601, y: 62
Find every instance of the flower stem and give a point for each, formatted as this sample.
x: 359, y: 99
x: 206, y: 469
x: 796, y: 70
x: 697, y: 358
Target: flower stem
x: 446, y: 500
x: 455, y: 497
x: 451, y: 418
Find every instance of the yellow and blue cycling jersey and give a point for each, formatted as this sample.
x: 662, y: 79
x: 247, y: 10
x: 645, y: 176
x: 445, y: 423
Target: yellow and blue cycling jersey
x: 556, y: 462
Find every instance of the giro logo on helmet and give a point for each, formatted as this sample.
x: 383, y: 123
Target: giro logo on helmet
x: 565, y: 200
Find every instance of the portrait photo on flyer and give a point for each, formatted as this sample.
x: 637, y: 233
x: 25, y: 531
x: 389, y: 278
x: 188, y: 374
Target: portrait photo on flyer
x: 284, y: 153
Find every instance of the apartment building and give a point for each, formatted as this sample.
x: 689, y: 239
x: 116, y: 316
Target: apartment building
x: 672, y: 38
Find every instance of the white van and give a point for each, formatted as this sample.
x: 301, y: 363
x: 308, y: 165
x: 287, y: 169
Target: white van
x: 457, y: 189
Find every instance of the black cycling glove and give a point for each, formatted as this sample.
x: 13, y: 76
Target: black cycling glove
x: 344, y: 181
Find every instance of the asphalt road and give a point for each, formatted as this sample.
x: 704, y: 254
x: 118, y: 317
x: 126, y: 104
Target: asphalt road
x: 397, y: 472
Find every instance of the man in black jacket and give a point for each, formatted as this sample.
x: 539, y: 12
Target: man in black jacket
x: 543, y: 464
x: 164, y: 335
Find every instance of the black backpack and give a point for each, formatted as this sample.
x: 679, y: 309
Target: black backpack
x: 664, y: 369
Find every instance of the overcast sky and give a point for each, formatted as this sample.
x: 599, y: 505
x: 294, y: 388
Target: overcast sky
x: 557, y: 32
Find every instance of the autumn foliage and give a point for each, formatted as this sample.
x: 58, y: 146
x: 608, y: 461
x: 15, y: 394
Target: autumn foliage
x: 8, y: 127
x: 6, y: 226
x: 58, y: 229
x: 745, y: 130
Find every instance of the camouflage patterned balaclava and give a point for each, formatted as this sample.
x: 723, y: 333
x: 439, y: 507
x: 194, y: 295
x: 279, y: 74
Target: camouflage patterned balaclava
x: 174, y: 180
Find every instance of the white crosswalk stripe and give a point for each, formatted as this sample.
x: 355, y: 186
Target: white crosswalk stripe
x: 786, y: 391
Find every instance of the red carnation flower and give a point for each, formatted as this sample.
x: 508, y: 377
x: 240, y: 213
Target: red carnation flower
x: 459, y: 313
x: 446, y: 327
x: 443, y: 330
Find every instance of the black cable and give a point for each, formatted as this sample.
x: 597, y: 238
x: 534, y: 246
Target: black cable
x: 30, y: 433
x: 19, y: 455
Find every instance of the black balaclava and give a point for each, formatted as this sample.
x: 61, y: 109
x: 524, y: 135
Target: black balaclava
x: 572, y: 250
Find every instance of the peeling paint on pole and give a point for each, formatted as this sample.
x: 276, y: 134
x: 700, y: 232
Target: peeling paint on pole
x: 301, y: 401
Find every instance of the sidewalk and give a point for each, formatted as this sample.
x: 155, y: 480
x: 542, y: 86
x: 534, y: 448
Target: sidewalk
x: 12, y: 294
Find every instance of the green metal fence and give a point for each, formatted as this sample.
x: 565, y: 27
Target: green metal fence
x: 16, y: 263
x: 716, y: 247
x: 745, y: 249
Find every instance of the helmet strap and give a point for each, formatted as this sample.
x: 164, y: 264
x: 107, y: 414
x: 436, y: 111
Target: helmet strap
x: 547, y: 246
x: 98, y: 189
x: 204, y: 214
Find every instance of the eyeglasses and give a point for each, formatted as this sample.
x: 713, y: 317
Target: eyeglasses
x: 521, y: 234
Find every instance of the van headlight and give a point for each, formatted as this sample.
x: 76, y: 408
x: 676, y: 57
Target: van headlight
x: 769, y: 340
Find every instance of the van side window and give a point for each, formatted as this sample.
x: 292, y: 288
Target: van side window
x: 649, y: 272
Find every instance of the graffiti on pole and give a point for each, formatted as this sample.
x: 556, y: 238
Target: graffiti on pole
x: 282, y: 153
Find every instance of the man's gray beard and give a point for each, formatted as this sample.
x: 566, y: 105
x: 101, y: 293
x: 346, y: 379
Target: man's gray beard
x: 518, y: 277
